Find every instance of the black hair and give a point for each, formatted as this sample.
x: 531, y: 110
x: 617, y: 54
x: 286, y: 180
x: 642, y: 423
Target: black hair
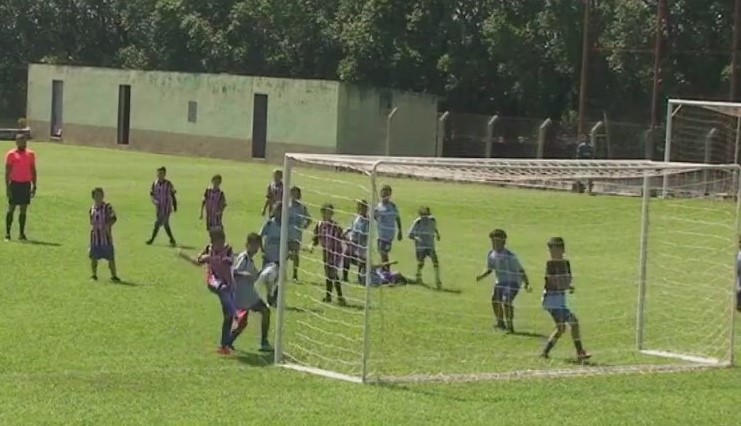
x: 557, y: 242
x: 253, y: 237
x: 296, y: 189
x: 386, y: 188
x: 362, y: 203
x: 424, y: 210
x: 216, y: 177
x: 95, y: 191
x: 327, y: 207
x: 162, y: 169
x: 498, y: 233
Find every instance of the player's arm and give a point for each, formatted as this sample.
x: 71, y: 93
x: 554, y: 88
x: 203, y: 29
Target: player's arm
x: 203, y: 203
x: 437, y: 233
x: 8, y: 169
x: 222, y: 204
x: 268, y: 201
x: 307, y: 218
x: 398, y: 224
x: 111, y: 215
x: 173, y: 194
x: 523, y: 275
x: 413, y: 230
x: 484, y: 274
x: 315, y: 237
x: 33, y: 174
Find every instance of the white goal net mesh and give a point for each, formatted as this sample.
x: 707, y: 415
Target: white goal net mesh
x: 417, y: 332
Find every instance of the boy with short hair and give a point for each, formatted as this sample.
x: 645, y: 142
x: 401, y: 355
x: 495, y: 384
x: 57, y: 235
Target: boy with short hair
x: 328, y: 234
x: 387, y: 217
x: 558, y: 281
x: 424, y: 233
x: 274, y: 193
x: 510, y: 275
x: 357, y: 243
x: 298, y: 220
x: 247, y: 298
x: 214, y: 203
x: 162, y: 192
x: 102, y: 218
x: 270, y: 234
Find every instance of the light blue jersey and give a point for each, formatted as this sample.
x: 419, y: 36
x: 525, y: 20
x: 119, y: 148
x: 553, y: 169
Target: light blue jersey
x: 506, y: 267
x: 245, y: 275
x: 298, y: 217
x: 270, y: 233
x: 423, y: 232
x: 386, y: 216
x: 359, y: 231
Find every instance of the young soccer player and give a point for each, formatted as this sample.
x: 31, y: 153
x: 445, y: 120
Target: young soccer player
x: 424, y: 233
x: 389, y: 223
x: 102, y: 219
x: 298, y: 220
x: 558, y: 281
x: 382, y: 275
x: 214, y: 203
x: 275, y: 192
x: 329, y: 234
x: 357, y: 243
x: 270, y: 234
x: 163, y: 197
x: 246, y: 296
x: 218, y: 258
x: 510, y: 275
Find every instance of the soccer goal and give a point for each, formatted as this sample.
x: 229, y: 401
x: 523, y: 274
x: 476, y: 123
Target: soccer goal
x: 654, y: 277
x: 702, y: 132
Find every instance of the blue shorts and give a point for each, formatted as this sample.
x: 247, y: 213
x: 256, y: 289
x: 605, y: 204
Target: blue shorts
x: 226, y: 298
x: 424, y: 253
x: 505, y: 293
x: 384, y: 246
x: 562, y: 315
x: 102, y: 252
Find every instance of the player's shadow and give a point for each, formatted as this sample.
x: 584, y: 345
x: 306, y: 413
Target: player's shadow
x: 530, y: 334
x: 125, y: 283
x: 184, y: 247
x: 260, y: 359
x: 304, y: 310
x: 41, y: 243
x: 587, y: 363
x: 439, y: 290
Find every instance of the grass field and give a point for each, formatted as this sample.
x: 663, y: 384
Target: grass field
x: 78, y: 352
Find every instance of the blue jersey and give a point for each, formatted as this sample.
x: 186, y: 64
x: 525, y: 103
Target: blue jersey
x: 270, y: 233
x: 423, y: 232
x: 298, y: 217
x: 506, y: 267
x: 359, y: 231
x: 386, y: 215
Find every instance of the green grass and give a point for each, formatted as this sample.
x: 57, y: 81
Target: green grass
x: 80, y: 352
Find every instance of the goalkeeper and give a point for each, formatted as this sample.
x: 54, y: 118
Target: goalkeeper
x: 558, y: 281
x: 246, y: 296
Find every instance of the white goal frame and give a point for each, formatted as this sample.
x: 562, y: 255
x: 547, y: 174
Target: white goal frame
x: 499, y: 171
x: 673, y: 106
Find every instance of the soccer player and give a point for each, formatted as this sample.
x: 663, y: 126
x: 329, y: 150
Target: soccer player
x: 102, y: 219
x: 585, y: 151
x: 275, y: 192
x: 298, y: 220
x: 510, y: 275
x: 389, y: 223
x: 329, y: 234
x: 558, y: 281
x: 214, y: 202
x: 424, y: 233
x: 20, y: 183
x: 357, y: 243
x: 247, y: 298
x: 270, y: 234
x: 382, y: 275
x: 218, y: 257
x: 163, y: 197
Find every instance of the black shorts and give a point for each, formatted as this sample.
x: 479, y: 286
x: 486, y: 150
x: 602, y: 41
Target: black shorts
x: 19, y: 193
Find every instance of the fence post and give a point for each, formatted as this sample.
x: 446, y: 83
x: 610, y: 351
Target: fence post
x: 389, y: 122
x: 542, y: 136
x: 594, y: 135
x: 441, y: 123
x: 708, y: 158
x: 490, y: 135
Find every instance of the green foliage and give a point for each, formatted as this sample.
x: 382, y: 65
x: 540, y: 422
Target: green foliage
x: 512, y: 57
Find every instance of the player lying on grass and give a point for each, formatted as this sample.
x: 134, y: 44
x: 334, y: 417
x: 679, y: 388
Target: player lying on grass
x: 356, y: 238
x: 247, y: 298
x: 558, y: 281
x: 163, y: 197
x: 298, y: 220
x: 270, y: 234
x: 510, y: 275
x: 328, y: 234
x: 218, y: 258
x: 102, y: 219
x: 387, y: 217
x: 424, y: 233
x: 382, y: 275
x: 274, y: 193
x: 214, y: 203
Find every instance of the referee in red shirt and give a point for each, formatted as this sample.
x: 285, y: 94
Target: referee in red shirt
x: 20, y: 183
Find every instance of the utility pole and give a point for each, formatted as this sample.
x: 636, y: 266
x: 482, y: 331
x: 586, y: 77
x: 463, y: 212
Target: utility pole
x: 585, y: 47
x: 661, y: 15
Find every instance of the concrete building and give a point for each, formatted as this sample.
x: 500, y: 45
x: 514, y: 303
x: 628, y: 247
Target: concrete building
x: 224, y: 116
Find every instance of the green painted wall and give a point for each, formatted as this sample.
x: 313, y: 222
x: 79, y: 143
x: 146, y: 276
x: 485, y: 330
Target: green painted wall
x: 301, y: 112
x: 361, y: 121
x: 414, y: 127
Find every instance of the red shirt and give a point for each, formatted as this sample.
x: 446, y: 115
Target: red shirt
x: 21, y: 165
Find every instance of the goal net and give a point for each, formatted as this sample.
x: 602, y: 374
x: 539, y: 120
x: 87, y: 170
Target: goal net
x: 654, y: 278
x: 702, y: 132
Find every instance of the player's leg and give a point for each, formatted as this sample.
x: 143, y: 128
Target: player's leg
x: 157, y: 224
x: 576, y: 337
x: 22, y: 209
x: 93, y: 268
x: 738, y: 300
x: 558, y: 318
x: 383, y: 250
x: 335, y: 264
x: 348, y: 259
x: 436, y: 266
x: 421, y: 255
x: 228, y: 312
x: 9, y: 216
x: 109, y: 255
x: 509, y: 309
x: 496, y: 305
x: 238, y: 326
x: 327, y: 280
x: 264, y: 326
x: 294, y: 251
x: 165, y: 221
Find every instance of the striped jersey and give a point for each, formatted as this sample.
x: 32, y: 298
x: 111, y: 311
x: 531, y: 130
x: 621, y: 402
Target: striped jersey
x: 102, y: 217
x: 163, y: 193
x: 219, y: 265
x: 215, y: 200
x: 275, y: 192
x: 328, y: 234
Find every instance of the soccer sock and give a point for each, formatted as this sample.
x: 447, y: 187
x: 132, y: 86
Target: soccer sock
x: 437, y: 273
x: 22, y: 223
x: 338, y: 288
x: 577, y: 345
x: 548, y: 346
x: 155, y: 231
x: 328, y: 284
x: 169, y: 232
x: 345, y: 268
x: 265, y: 327
x: 419, y: 270
x: 226, y: 331
x: 8, y: 222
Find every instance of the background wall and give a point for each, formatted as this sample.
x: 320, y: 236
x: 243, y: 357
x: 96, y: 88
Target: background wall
x: 302, y: 114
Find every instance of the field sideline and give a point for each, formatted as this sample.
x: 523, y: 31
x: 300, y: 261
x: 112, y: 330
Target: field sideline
x: 74, y: 352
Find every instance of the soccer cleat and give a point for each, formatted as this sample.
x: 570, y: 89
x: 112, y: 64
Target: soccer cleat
x: 500, y: 326
x: 545, y: 355
x: 22, y: 237
x: 341, y: 301
x: 224, y: 350
x: 232, y: 348
x: 327, y: 299
x: 583, y: 356
x: 173, y: 243
x: 115, y: 279
x: 149, y: 242
x: 7, y: 237
x: 265, y: 347
x: 510, y: 330
x: 94, y: 278
x: 439, y: 285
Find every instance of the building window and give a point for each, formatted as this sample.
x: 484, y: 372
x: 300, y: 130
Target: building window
x: 192, y: 111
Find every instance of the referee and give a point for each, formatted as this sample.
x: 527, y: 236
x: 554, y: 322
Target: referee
x: 20, y: 183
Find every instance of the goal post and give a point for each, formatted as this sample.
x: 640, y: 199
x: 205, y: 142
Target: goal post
x: 676, y: 254
x: 702, y: 132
